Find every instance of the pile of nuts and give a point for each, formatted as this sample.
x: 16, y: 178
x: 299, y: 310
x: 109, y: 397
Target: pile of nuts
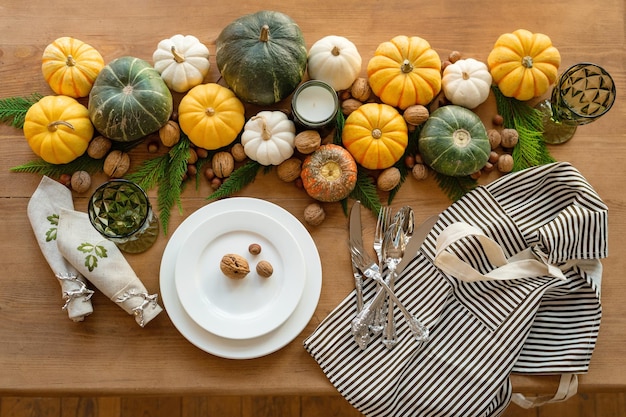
x: 235, y: 266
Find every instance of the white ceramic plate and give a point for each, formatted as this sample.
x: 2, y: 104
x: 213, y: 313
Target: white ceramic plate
x: 239, y: 308
x: 241, y: 348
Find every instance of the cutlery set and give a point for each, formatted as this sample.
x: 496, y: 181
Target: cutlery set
x: 394, y: 237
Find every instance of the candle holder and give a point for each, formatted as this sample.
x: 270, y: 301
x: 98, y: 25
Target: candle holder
x: 121, y: 212
x: 315, y: 105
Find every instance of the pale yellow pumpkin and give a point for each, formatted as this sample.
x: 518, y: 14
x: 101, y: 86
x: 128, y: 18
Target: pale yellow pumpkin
x: 211, y: 116
x: 71, y: 66
x: 58, y: 129
x: 334, y: 60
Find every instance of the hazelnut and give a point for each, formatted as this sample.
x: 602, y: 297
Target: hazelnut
x: 510, y: 138
x: 497, y: 120
x: 454, y: 56
x: 169, y: 133
x: 264, y: 269
x: 350, y: 105
x: 416, y: 114
x: 494, y: 138
x: 419, y: 171
x: 202, y: 153
x: 505, y: 163
x: 223, y: 164
x: 493, y: 157
x: 99, y: 147
x: 388, y: 179
x: 360, y: 89
x: 289, y: 169
x: 193, y: 156
x: 254, y: 248
x: 238, y: 152
x: 116, y: 164
x: 80, y: 181
x: 314, y: 214
x: 153, y: 146
x: 308, y: 141
x: 234, y: 266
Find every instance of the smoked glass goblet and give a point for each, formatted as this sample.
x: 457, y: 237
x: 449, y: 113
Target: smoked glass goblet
x: 582, y: 94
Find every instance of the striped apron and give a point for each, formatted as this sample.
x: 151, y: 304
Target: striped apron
x: 483, y: 329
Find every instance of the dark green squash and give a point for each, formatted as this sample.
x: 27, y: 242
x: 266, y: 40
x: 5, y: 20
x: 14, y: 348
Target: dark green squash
x: 454, y: 141
x: 129, y: 100
x: 262, y: 57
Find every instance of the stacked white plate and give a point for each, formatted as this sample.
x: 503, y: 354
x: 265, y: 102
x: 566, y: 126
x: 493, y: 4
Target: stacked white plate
x: 240, y: 318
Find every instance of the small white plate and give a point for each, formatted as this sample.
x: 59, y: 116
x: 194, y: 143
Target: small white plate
x: 241, y: 348
x: 239, y: 308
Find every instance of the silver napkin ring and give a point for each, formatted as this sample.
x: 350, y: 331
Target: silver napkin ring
x: 81, y: 291
x: 148, y: 300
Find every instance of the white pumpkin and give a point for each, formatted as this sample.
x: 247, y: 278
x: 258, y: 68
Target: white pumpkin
x: 467, y: 83
x: 334, y: 60
x: 182, y: 61
x: 269, y: 137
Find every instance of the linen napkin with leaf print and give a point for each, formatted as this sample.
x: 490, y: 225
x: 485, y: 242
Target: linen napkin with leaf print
x: 43, y: 212
x: 105, y: 266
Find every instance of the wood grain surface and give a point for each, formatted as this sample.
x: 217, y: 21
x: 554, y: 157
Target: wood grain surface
x: 43, y: 353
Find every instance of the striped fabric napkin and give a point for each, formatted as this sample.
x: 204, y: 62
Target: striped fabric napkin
x: 482, y: 330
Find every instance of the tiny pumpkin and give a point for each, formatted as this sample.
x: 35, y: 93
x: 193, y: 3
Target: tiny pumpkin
x: 70, y: 66
x: 211, y: 116
x: 523, y: 64
x: 182, y: 61
x: 269, y: 137
x: 405, y: 71
x: 466, y: 82
x: 58, y: 129
x: 334, y: 60
x: 376, y: 135
x: 329, y: 174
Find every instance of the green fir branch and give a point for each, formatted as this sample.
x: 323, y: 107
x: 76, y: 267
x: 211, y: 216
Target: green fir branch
x: 366, y: 192
x: 240, y: 177
x: 13, y: 109
x: 39, y: 166
x: 411, y: 149
x: 340, y: 121
x: 531, y: 149
x: 455, y: 187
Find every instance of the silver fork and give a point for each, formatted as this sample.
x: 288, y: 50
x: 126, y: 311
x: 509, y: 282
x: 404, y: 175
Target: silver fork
x: 382, y: 223
x: 361, y: 323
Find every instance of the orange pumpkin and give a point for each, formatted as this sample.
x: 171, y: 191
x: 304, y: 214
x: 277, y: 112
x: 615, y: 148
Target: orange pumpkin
x: 329, y: 174
x: 523, y: 64
x: 376, y: 135
x: 71, y: 66
x: 405, y: 71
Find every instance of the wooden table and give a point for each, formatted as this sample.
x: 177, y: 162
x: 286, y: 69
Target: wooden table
x: 43, y: 352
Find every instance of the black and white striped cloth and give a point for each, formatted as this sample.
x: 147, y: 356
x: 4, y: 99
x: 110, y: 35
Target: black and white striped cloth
x: 482, y: 331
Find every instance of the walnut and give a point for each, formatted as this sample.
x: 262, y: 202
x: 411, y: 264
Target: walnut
x: 289, y: 169
x: 505, y: 163
x: 99, y: 147
x: 223, y: 164
x: 234, y: 266
x: 314, y: 214
x: 80, y: 181
x: 494, y: 138
x: 264, y: 269
x: 388, y: 179
x: 419, y: 171
x: 239, y: 154
x: 510, y: 138
x: 116, y: 164
x: 350, y: 105
x: 416, y: 114
x: 454, y: 56
x: 360, y: 89
x: 308, y: 141
x: 169, y: 133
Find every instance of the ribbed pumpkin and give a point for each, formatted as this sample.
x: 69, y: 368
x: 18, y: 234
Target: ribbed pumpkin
x: 129, y: 100
x: 376, y: 135
x: 467, y: 83
x: 182, y: 61
x: 269, y: 137
x: 58, y: 129
x: 211, y: 116
x: 405, y: 71
x: 454, y: 141
x: 262, y: 56
x: 70, y: 66
x: 334, y: 60
x: 524, y: 64
x: 329, y: 174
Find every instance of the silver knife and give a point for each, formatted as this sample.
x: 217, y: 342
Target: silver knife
x: 356, y: 238
x: 416, y: 241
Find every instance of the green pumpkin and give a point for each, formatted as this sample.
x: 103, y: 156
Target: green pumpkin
x: 454, y: 141
x: 262, y: 57
x: 129, y: 100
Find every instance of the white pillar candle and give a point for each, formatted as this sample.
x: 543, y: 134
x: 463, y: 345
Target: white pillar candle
x: 315, y: 104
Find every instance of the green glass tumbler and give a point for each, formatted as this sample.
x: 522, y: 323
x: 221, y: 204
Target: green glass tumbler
x: 121, y: 212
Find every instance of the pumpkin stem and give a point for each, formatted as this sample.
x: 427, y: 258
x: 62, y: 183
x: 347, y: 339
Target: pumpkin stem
x: 466, y: 75
x: 406, y: 66
x: 266, y: 133
x: 209, y: 111
x: 177, y: 57
x: 70, y: 61
x: 331, y: 170
x: 377, y: 133
x: 527, y: 62
x: 53, y: 126
x: 265, y: 33
x: 461, y: 138
x: 336, y: 51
